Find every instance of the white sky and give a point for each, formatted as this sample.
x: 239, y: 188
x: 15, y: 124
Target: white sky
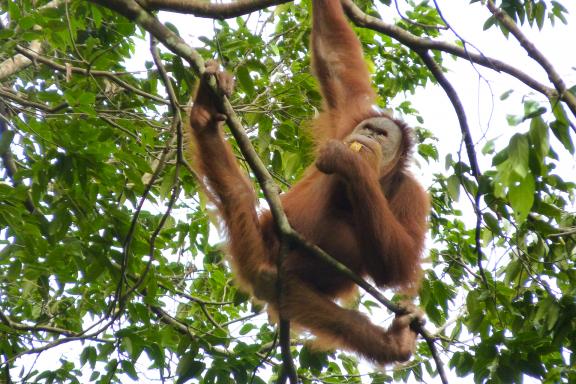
x: 486, y: 113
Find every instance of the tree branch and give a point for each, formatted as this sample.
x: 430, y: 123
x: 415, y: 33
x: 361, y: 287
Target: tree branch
x: 18, y: 62
x: 134, y: 12
x: 87, y: 72
x: 458, y: 108
x: 12, y: 95
x: 535, y: 54
x: 288, y: 371
x: 210, y: 10
x: 35, y: 328
x: 417, y: 324
x: 416, y: 43
x: 177, y: 127
x: 7, y: 157
x: 241, y: 7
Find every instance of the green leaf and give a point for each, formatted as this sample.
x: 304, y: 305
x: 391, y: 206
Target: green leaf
x: 6, y: 138
x: 540, y: 13
x: 521, y: 196
x: 453, y: 185
x: 492, y: 222
x: 539, y: 137
x: 561, y: 127
x: 462, y: 362
x: 128, y: 368
x: 535, y: 113
x: 489, y: 22
x: 246, y: 328
x: 506, y: 372
x: 311, y: 359
x: 518, y: 154
x: 243, y: 75
x: 89, y: 354
x: 189, y: 368
x: 506, y: 94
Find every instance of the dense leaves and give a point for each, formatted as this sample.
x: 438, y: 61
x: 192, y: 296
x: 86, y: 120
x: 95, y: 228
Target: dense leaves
x: 111, y: 269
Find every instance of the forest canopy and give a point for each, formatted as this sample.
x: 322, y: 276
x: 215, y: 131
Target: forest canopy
x: 112, y: 269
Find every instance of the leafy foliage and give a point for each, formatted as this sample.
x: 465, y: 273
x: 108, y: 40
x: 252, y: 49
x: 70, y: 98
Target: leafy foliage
x: 110, y: 269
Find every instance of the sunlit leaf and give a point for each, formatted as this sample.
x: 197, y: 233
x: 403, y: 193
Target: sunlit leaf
x: 518, y: 154
x: 521, y: 195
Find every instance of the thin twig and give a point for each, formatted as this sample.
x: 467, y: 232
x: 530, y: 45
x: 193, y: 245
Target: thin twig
x: 469, y: 144
x: 415, y: 23
x: 88, y: 72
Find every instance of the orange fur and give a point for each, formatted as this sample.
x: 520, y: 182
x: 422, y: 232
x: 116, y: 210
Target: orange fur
x: 373, y: 223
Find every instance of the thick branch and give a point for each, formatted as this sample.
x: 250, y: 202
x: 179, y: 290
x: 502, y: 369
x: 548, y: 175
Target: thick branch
x: 210, y: 10
x: 134, y: 12
x: 534, y: 53
x: 288, y: 368
x: 14, y: 64
x: 417, y: 43
x: 468, y: 143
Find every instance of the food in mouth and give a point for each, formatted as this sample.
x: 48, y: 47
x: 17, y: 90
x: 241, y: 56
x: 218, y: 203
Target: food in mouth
x: 356, y: 146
